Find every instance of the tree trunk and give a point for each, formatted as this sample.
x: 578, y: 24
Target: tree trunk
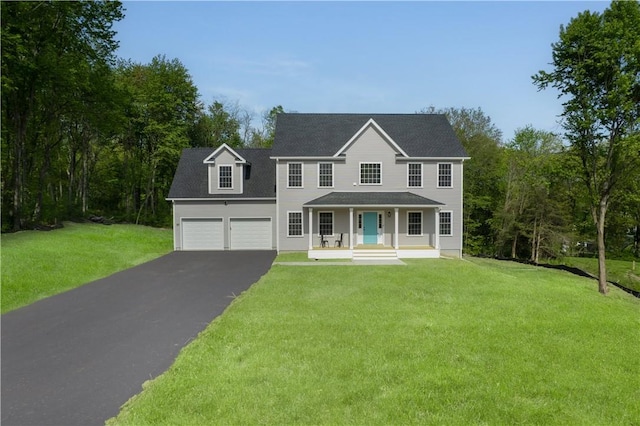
x: 599, y: 216
x: 533, y: 240
x: 513, y: 245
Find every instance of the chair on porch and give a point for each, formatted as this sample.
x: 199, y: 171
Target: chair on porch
x: 323, y: 241
x: 340, y: 242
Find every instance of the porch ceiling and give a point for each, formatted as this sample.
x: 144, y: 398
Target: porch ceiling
x: 380, y: 199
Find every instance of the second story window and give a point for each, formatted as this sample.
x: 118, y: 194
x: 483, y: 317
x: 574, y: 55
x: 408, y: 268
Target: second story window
x: 295, y: 175
x: 444, y: 175
x: 225, y: 177
x: 370, y: 174
x: 414, y: 175
x: 325, y: 175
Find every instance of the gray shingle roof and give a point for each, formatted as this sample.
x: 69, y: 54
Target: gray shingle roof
x: 391, y: 199
x: 419, y: 135
x: 191, y: 177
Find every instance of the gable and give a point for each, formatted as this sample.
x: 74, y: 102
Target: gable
x: 224, y: 149
x: 369, y: 134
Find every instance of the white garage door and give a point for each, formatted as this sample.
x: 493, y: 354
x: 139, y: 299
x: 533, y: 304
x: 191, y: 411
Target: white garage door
x: 250, y: 234
x: 202, y: 234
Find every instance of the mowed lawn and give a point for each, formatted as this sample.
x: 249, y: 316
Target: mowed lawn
x: 37, y: 264
x: 625, y: 272
x: 435, y: 342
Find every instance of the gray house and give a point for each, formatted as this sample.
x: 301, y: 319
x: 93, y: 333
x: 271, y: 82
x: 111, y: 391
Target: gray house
x: 334, y: 185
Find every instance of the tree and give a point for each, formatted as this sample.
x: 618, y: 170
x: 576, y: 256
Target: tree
x: 52, y: 54
x: 161, y: 107
x: 596, y: 69
x: 482, y: 174
x: 532, y: 207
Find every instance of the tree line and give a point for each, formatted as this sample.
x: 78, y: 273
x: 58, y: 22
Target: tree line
x: 84, y: 132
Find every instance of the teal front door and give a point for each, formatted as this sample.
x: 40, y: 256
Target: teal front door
x: 370, y: 228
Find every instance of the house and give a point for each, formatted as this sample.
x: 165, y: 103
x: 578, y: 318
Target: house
x: 334, y: 185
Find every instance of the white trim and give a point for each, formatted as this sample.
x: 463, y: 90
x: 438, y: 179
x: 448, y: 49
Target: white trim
x: 421, y: 234
x: 396, y: 226
x: 219, y: 167
x: 370, y: 123
x: 374, y: 206
x: 210, y: 167
x: 461, y: 242
x: 438, y: 175
x: 301, y: 224
x: 360, y: 173
x: 222, y: 199
x: 332, y: 174
x: 350, y: 228
x: 301, y: 174
x: 450, y: 223
x: 211, y: 158
x: 445, y: 159
x: 278, y: 218
x: 310, y: 158
x: 333, y: 222
x: 310, y: 228
x: 421, y: 175
x: 380, y: 231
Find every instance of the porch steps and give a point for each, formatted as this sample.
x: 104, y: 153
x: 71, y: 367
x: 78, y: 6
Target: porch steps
x: 374, y: 254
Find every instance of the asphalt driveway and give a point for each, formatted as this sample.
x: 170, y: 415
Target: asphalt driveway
x: 75, y: 358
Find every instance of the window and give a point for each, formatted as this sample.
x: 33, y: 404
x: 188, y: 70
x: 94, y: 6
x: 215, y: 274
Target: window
x: 295, y: 175
x: 445, y: 223
x: 370, y: 174
x: 294, y: 224
x: 414, y: 175
x: 325, y: 175
x: 414, y: 223
x: 325, y: 223
x: 444, y: 175
x: 225, y: 177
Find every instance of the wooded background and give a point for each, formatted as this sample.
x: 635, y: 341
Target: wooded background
x: 85, y: 133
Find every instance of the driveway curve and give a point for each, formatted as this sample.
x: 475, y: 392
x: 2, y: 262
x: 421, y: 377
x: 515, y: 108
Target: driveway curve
x: 75, y: 358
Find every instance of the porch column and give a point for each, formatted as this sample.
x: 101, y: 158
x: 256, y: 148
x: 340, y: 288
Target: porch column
x: 397, y: 226
x: 437, y: 227
x: 310, y: 228
x: 350, y: 228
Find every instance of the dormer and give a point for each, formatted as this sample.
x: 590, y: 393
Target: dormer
x: 225, y: 171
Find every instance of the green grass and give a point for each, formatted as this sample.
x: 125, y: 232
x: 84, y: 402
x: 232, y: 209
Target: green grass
x: 435, y: 342
x: 620, y: 271
x: 37, y: 264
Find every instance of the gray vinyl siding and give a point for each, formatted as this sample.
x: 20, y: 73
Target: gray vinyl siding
x: 370, y: 147
x: 217, y: 209
x: 225, y: 158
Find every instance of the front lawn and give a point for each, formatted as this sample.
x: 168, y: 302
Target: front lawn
x: 433, y: 342
x: 38, y: 264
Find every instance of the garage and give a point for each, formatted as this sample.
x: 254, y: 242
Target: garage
x: 202, y: 234
x: 250, y: 234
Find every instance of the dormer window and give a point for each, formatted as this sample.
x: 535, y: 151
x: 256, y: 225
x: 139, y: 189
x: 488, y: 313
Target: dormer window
x: 225, y: 177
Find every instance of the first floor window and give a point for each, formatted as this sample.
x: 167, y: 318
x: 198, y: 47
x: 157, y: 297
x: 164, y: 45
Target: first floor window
x: 414, y: 223
x: 445, y: 223
x: 370, y: 174
x: 325, y: 223
x: 225, y: 177
x: 444, y: 175
x: 295, y: 175
x: 294, y: 224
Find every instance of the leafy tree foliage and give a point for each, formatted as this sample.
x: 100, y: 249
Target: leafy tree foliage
x: 482, y: 174
x: 55, y: 68
x: 596, y: 64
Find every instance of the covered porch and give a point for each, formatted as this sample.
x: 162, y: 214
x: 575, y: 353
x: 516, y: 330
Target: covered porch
x: 373, y: 225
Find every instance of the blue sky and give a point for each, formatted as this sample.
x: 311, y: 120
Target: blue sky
x: 391, y: 57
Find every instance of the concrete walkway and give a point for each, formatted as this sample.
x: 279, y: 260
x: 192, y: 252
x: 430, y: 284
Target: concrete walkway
x: 75, y: 358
